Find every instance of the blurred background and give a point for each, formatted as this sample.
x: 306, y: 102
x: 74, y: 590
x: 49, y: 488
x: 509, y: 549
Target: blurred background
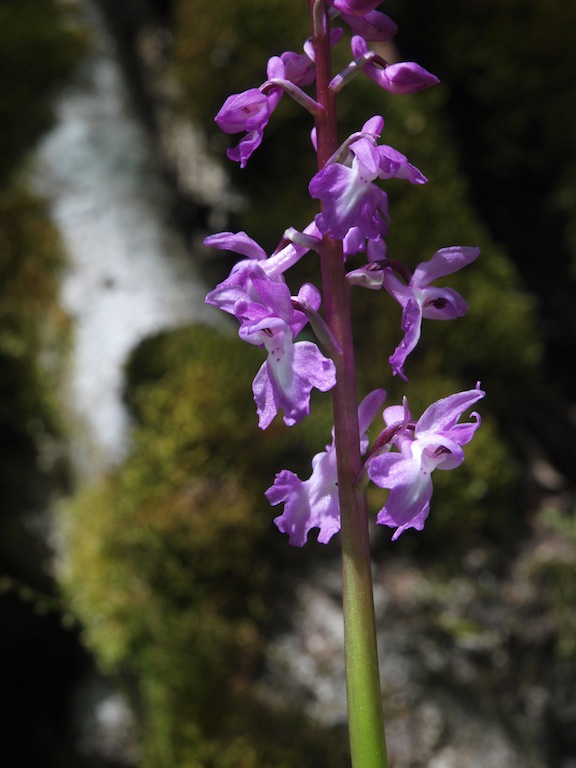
x: 150, y: 613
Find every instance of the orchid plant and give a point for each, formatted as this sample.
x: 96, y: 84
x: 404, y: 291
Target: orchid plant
x: 353, y: 222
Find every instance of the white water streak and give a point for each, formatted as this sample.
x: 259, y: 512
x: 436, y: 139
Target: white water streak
x: 129, y: 274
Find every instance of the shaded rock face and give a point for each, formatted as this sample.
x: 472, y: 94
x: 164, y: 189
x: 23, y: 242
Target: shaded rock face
x: 129, y: 273
x: 475, y: 670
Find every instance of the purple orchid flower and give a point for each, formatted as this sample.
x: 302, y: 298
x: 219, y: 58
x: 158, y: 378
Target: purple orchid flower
x: 349, y: 198
x: 250, y: 111
x: 403, y: 77
x: 264, y: 308
x: 314, y: 503
x: 419, y: 299
x: 434, y: 442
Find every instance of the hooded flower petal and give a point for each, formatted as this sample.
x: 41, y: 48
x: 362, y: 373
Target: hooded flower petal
x: 299, y: 68
x: 400, y: 78
x: 246, y: 111
x: 374, y: 26
x: 349, y: 200
x: 349, y: 197
x: 265, y: 310
x: 403, y: 77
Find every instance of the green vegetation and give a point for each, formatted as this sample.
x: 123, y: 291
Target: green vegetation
x: 40, y: 44
x: 32, y: 326
x: 174, y: 567
x: 30, y: 320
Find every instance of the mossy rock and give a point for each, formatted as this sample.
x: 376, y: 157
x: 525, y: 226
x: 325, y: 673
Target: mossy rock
x: 33, y: 346
x: 173, y: 565
x: 41, y: 43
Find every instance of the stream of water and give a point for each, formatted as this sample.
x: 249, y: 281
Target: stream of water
x: 129, y: 273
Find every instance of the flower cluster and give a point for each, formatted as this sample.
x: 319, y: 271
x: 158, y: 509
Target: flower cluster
x: 433, y: 442
x: 354, y: 210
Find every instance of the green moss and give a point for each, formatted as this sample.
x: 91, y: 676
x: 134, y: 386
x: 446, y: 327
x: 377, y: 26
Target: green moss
x: 39, y: 47
x: 173, y: 562
x: 33, y: 333
x: 222, y: 50
x: 40, y: 44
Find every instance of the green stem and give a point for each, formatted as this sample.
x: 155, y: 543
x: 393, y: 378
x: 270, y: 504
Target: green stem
x: 365, y: 720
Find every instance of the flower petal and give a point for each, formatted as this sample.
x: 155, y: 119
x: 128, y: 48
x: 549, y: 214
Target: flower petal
x: 308, y: 504
x: 444, y: 262
x: 374, y: 26
x: 408, y: 504
x: 442, y: 415
x: 285, y: 381
x: 411, y: 325
x: 403, y: 77
x: 244, y: 111
x: 355, y: 7
x: 238, y: 242
x: 400, y: 78
x: 242, y: 152
x: 442, y: 304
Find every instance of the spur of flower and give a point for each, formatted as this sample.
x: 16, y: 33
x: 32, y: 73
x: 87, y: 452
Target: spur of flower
x: 435, y: 441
